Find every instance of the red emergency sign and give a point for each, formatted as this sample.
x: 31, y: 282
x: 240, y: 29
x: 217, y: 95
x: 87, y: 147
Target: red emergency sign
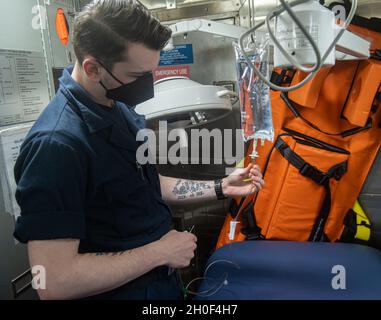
x: 171, y: 71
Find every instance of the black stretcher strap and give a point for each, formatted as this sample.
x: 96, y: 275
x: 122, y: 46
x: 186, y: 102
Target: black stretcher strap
x: 234, y: 207
x: 252, y: 231
x: 307, y: 140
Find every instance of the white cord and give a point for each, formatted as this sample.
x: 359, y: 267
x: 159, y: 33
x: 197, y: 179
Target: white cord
x: 211, y: 291
x: 319, y: 60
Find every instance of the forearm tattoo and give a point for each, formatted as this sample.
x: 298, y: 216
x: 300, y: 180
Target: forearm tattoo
x: 113, y: 254
x: 187, y: 189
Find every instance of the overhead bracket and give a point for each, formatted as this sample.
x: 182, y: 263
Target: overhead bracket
x: 171, y: 4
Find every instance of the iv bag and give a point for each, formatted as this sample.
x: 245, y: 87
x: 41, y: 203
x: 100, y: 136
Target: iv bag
x: 254, y: 94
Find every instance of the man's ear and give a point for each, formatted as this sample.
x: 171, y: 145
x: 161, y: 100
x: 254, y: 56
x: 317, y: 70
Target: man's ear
x: 92, y: 69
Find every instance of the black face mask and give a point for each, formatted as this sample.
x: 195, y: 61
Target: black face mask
x: 132, y: 93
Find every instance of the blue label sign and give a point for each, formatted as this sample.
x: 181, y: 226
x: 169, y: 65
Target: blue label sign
x: 182, y: 54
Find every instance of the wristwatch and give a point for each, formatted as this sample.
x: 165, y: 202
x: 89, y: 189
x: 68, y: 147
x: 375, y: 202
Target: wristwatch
x: 218, y: 189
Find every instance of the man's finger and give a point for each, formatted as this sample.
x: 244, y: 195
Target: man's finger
x: 256, y: 179
x: 256, y: 167
x: 244, y: 173
x: 255, y: 172
x: 259, y: 184
x: 253, y: 176
x: 260, y: 181
x: 255, y: 189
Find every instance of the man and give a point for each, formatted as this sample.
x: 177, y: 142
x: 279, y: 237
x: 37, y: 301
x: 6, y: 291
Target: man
x: 95, y: 219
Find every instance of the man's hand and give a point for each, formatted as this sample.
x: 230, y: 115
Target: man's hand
x: 178, y: 248
x: 243, y: 182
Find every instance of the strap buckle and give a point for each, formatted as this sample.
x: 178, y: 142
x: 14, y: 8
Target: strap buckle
x: 338, y: 171
x: 314, y: 173
x: 252, y: 235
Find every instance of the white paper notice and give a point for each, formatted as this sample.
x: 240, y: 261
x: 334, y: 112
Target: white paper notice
x: 23, y: 86
x: 10, y: 142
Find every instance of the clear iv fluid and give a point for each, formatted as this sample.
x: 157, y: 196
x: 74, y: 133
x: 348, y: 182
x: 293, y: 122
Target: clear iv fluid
x: 256, y: 116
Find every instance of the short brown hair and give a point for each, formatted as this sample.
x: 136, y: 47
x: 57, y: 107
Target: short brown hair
x: 104, y: 27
